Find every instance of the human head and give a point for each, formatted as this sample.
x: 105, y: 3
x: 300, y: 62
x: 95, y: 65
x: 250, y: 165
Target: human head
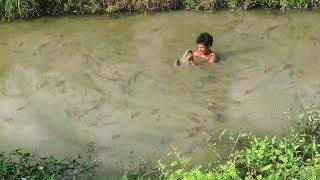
x: 204, y: 42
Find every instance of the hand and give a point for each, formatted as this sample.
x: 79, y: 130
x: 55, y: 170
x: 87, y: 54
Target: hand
x: 176, y: 62
x: 190, y: 56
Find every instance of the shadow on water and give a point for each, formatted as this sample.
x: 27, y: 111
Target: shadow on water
x: 226, y: 55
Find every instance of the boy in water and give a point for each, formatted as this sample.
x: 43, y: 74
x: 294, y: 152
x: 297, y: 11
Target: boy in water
x: 204, y: 44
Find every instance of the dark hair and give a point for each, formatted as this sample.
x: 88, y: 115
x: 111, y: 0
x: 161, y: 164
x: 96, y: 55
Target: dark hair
x: 205, y: 38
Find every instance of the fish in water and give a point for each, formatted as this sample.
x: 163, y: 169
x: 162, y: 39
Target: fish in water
x: 40, y: 47
x: 155, y: 111
x: 183, y: 61
x: 20, y: 44
x: 267, y: 32
x: 247, y: 92
x: 115, y: 136
x: 287, y: 66
x: 301, y: 71
x: 20, y: 108
x: 102, y: 124
x: 195, y: 120
x: 10, y: 120
x: 60, y: 83
x: 316, y: 42
x: 267, y: 69
x: 233, y: 24
x: 235, y: 102
x: 194, y: 131
x: 134, y: 115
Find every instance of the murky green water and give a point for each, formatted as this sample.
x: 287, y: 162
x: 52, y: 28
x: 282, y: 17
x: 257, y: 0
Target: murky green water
x: 66, y: 82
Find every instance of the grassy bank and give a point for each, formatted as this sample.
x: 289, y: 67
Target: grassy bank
x: 19, y: 164
x: 295, y: 156
x: 12, y: 9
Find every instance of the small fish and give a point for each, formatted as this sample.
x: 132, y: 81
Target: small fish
x: 232, y: 24
x: 218, y: 99
x: 235, y: 102
x: 267, y: 31
x: 101, y: 59
x: 101, y: 124
x: 214, y: 104
x: 267, y: 69
x: 10, y: 120
x: 154, y: 30
x: 136, y: 114
x: 100, y: 91
x: 245, y: 35
x: 60, y: 83
x: 316, y: 42
x: 249, y: 91
x: 17, y: 51
x: 40, y: 47
x: 158, y: 118
x: 155, y: 111
x: 194, y: 119
x: 192, y: 134
x: 78, y: 44
x: 242, y: 78
x: 20, y: 108
x: 287, y: 66
x: 87, y: 56
x: 194, y: 129
x: 301, y: 71
x: 97, y: 105
x: 64, y: 45
x: 42, y: 84
x: 20, y: 44
x: 115, y: 136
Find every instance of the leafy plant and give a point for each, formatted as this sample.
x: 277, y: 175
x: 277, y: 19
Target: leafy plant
x: 19, y: 164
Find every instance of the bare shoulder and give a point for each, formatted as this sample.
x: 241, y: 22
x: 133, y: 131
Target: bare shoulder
x: 212, y: 57
x: 212, y: 53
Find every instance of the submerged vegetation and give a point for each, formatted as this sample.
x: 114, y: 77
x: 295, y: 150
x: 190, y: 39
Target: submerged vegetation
x: 11, y: 9
x: 294, y: 156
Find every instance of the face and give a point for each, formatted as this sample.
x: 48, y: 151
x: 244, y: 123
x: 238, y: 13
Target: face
x: 203, y: 49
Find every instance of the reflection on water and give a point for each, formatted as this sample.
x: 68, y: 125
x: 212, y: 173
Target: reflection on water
x: 67, y: 82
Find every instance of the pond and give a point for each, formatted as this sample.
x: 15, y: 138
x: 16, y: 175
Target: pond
x: 70, y: 82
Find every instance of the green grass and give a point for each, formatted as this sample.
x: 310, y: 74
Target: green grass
x: 13, y: 9
x: 19, y: 164
x: 294, y: 156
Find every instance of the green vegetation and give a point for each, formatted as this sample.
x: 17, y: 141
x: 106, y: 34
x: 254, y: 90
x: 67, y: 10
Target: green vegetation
x: 22, y: 165
x: 295, y: 156
x: 11, y: 9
